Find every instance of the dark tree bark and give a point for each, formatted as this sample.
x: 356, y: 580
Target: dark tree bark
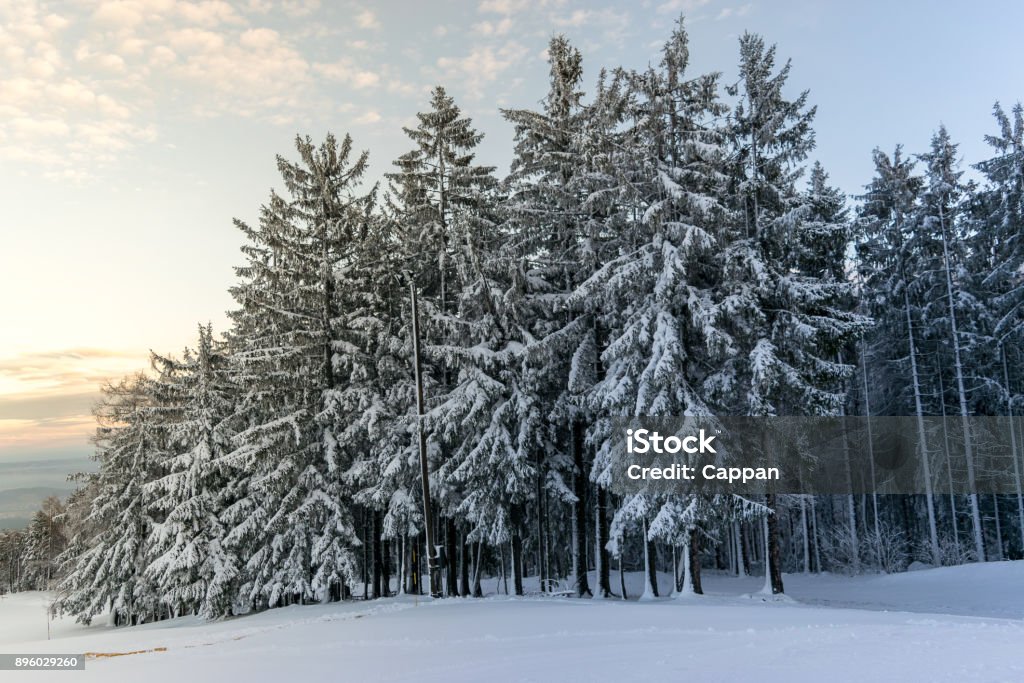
x: 386, y: 566
x: 464, y: 556
x: 773, y: 559
x: 376, y: 550
x: 478, y: 570
x: 366, y: 554
x: 744, y: 549
x: 414, y: 566
x: 579, y: 511
x: 651, y: 557
x: 541, y: 545
x: 604, y: 586
x: 517, y: 552
x: 622, y: 578
x: 694, y: 551
x: 451, y: 549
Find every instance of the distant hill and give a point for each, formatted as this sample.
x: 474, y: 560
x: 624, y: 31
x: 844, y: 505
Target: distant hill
x: 24, y: 484
x: 17, y: 523
x: 18, y: 505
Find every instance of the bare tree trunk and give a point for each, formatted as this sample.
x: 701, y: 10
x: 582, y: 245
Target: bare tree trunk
x: 375, y: 582
x: 972, y: 496
x: 1013, y: 450
x: 650, y: 570
x: 871, y: 441
x: 478, y: 570
x: 464, y: 555
x: 772, y: 563
x: 693, y: 562
x: 386, y: 566
x: 517, y: 561
x: 933, y: 535
x: 451, y: 550
x: 542, y: 572
x: 622, y: 578
x: 604, y: 587
x: 806, y: 532
x: 999, y: 527
x: 579, y: 558
x: 501, y: 559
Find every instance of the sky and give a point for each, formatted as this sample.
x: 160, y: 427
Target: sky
x: 132, y: 132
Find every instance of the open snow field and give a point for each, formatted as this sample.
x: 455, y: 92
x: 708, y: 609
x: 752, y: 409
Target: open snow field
x: 958, y: 623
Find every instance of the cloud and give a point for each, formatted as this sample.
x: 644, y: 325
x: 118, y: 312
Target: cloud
x: 678, y: 6
x: 503, y: 6
x: 345, y: 71
x: 367, y: 19
x: 482, y: 65
x: 582, y: 17
x: 39, y: 408
x: 493, y: 28
x: 299, y: 8
x: 31, y: 375
x: 46, y: 398
x: 727, y: 12
x: 57, y: 431
x: 73, y: 101
x: 368, y: 117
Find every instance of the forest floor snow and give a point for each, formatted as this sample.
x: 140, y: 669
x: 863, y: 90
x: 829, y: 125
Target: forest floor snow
x: 957, y: 623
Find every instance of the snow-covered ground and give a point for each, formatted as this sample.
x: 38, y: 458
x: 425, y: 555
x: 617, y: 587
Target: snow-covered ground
x: 959, y: 623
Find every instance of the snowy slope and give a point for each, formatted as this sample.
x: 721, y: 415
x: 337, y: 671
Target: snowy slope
x: 725, y: 636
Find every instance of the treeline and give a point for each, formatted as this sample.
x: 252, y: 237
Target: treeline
x: 658, y: 248
x: 29, y: 558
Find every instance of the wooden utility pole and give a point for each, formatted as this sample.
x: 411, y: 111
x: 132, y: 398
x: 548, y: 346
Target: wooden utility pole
x: 433, y: 566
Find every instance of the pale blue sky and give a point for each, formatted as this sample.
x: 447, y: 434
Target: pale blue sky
x: 132, y: 132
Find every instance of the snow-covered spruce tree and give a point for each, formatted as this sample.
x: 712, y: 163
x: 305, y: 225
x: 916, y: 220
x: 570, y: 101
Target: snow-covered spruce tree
x: 488, y: 421
x: 659, y: 186
x: 787, y: 321
x: 941, y: 217
x: 548, y: 219
x: 447, y: 226
x: 106, y: 570
x: 997, y: 249
x: 12, y: 555
x: 897, y: 279
x: 379, y: 398
x: 45, y: 540
x: 291, y: 522
x: 999, y: 243
x: 193, y: 571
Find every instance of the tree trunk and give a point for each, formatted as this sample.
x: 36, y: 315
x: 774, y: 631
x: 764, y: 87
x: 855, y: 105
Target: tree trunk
x: 451, y: 550
x: 622, y: 578
x: 579, y: 558
x: 772, y: 561
x: 650, y: 570
x: 376, y: 582
x: 604, y: 586
x: 517, y: 560
x: 871, y: 442
x: 478, y: 570
x: 972, y: 496
x: 1013, y: 450
x: 501, y: 560
x: 542, y: 568
x: 933, y: 535
x: 386, y: 566
x: 693, y: 564
x: 464, y: 555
